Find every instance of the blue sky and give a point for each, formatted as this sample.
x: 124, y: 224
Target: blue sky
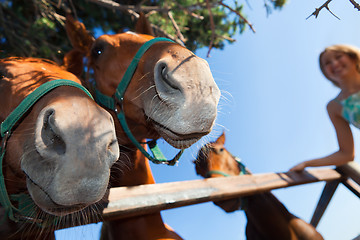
x: 273, y: 110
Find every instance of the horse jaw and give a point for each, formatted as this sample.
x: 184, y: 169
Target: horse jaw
x: 75, y: 149
x: 186, y: 96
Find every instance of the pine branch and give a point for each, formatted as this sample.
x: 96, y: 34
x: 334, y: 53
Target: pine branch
x: 239, y: 14
x: 317, y: 10
x: 212, y: 25
x: 12, y: 38
x: 226, y: 38
x: 161, y: 33
x: 131, y: 10
x: 356, y: 5
x: 176, y: 27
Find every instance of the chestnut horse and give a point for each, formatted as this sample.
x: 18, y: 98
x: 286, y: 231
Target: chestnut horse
x: 57, y: 149
x: 267, y: 217
x: 171, y: 95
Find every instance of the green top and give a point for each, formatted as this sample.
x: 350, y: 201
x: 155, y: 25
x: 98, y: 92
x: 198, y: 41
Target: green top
x: 351, y: 109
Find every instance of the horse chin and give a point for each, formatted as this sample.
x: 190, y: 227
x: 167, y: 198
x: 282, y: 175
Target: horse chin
x: 46, y: 204
x: 177, y: 140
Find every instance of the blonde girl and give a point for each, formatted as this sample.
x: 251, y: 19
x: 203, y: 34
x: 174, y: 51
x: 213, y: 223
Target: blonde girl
x: 341, y: 65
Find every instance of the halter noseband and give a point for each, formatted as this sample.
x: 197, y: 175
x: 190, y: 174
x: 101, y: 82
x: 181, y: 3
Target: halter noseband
x: 25, y: 203
x: 117, y: 100
x: 241, y: 166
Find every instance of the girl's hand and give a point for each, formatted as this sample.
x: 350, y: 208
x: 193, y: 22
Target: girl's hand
x: 299, y: 167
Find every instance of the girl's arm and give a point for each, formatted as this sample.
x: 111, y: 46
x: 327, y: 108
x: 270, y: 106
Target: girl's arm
x: 345, y: 139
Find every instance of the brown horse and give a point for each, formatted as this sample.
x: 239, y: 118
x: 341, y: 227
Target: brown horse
x: 57, y: 154
x: 171, y: 95
x: 267, y: 216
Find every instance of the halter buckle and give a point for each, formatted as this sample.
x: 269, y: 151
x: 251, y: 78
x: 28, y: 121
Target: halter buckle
x: 118, y: 102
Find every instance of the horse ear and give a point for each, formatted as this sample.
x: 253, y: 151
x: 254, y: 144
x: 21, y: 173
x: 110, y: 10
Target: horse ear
x: 221, y: 139
x: 73, y: 62
x: 143, y: 25
x: 78, y: 35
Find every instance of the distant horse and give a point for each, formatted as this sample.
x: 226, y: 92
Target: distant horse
x: 267, y: 216
x: 171, y: 94
x: 57, y: 148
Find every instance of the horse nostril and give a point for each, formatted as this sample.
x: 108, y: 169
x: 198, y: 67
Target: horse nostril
x: 50, y: 133
x: 164, y: 81
x: 113, y: 150
x: 166, y: 77
x: 112, y: 144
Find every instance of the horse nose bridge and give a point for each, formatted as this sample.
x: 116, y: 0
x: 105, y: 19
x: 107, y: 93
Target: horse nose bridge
x: 94, y: 144
x: 77, y: 131
x: 185, y: 80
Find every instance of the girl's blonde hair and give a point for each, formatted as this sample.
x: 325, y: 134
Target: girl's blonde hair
x: 351, y: 51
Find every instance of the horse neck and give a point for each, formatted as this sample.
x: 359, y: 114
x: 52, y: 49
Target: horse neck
x: 269, y: 204
x: 133, y: 169
x: 268, y: 216
x: 146, y: 227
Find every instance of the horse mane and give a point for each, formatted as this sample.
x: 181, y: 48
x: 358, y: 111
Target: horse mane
x: 37, y: 76
x: 32, y: 60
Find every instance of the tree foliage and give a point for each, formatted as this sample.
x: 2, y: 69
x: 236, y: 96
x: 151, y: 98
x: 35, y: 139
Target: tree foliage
x: 36, y: 27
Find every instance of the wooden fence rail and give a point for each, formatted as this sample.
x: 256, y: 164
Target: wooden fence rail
x: 144, y: 199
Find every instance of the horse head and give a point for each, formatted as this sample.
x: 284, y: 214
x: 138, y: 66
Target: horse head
x: 267, y: 217
x: 61, y: 147
x: 214, y: 160
x: 172, y: 93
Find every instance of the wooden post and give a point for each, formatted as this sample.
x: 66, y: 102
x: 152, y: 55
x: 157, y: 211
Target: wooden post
x: 144, y: 199
x: 324, y: 201
x: 351, y: 170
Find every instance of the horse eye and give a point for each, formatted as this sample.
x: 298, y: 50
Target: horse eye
x: 97, y: 51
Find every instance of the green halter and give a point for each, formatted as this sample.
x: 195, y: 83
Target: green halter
x: 240, y: 165
x: 118, y: 97
x: 24, y: 211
